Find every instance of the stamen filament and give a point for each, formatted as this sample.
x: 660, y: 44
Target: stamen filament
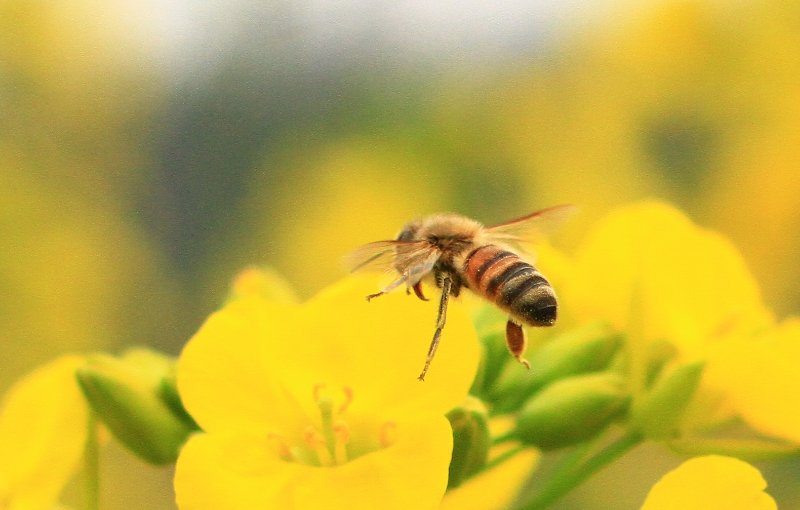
x: 342, y: 432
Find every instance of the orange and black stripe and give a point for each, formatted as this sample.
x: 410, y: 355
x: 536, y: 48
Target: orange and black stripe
x: 511, y: 283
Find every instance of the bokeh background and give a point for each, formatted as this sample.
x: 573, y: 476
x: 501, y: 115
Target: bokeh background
x: 150, y: 150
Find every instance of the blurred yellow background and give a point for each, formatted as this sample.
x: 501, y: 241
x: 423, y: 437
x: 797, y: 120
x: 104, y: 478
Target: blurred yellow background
x: 148, y: 153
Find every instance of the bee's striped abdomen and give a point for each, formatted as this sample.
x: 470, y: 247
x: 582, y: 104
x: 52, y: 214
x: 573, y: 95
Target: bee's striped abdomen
x: 511, y: 283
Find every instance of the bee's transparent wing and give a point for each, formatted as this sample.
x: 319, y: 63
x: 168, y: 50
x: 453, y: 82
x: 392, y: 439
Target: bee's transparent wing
x: 377, y: 256
x: 411, y: 259
x: 532, y: 227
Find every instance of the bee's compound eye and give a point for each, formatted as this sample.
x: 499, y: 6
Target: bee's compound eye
x: 408, y: 232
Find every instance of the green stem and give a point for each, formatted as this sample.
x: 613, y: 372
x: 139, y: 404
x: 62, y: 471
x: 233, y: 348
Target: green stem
x: 91, y: 466
x: 508, y: 436
x: 502, y: 458
x: 573, y: 472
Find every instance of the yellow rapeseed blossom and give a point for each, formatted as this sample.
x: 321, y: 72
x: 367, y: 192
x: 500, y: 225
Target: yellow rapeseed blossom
x: 651, y: 273
x: 317, y: 406
x: 711, y: 483
x: 43, y: 430
x: 648, y: 270
x: 759, y: 378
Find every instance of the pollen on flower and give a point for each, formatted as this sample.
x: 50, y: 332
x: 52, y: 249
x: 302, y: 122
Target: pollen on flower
x: 388, y: 434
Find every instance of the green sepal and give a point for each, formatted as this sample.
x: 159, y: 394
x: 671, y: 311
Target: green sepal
x: 657, y: 415
x: 471, y: 440
x: 126, y: 395
x: 577, y: 351
x: 572, y: 410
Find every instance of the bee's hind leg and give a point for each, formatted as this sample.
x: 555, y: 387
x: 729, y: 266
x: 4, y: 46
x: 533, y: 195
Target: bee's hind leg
x: 517, y: 342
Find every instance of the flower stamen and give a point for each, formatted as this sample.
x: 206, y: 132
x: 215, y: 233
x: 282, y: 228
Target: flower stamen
x: 342, y: 433
x: 316, y: 442
x: 281, y: 446
x: 348, y: 399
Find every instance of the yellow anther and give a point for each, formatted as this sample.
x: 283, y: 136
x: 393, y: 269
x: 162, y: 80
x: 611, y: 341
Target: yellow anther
x: 318, y: 391
x: 348, y: 398
x: 281, y: 446
x: 388, y: 434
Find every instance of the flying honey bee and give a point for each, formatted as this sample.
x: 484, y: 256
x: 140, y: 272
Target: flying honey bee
x: 454, y: 252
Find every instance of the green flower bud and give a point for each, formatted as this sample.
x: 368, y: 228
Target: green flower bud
x: 126, y: 395
x: 168, y: 391
x: 578, y: 351
x: 471, y: 440
x: 572, y: 410
x: 658, y: 414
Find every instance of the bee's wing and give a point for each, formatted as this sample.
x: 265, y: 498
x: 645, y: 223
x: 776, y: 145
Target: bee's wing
x: 532, y: 227
x: 377, y: 256
x: 412, y: 259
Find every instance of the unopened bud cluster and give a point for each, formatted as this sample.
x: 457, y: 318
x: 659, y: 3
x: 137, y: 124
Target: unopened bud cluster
x: 577, y: 387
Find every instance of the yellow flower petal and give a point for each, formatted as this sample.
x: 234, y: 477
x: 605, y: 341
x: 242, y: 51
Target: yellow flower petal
x: 243, y: 472
x: 384, y: 343
x: 647, y: 266
x: 759, y: 378
x: 710, y: 483
x: 495, y: 488
x: 224, y: 372
x: 263, y: 282
x: 43, y: 430
x: 317, y: 405
x: 253, y: 359
x: 232, y: 472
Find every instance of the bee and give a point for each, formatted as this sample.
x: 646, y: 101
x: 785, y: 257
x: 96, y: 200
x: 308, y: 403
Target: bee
x: 453, y: 252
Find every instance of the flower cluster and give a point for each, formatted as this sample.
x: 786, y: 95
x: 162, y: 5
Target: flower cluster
x: 663, y: 337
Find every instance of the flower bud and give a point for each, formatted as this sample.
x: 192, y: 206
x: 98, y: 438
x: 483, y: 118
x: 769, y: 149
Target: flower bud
x: 125, y: 393
x: 572, y: 410
x: 578, y: 351
x: 657, y: 415
x: 471, y: 440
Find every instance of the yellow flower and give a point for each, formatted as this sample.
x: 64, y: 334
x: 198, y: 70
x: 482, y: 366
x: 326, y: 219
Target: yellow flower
x: 317, y: 405
x: 759, y: 378
x: 711, y: 483
x: 43, y: 430
x: 654, y: 275
x: 649, y: 270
